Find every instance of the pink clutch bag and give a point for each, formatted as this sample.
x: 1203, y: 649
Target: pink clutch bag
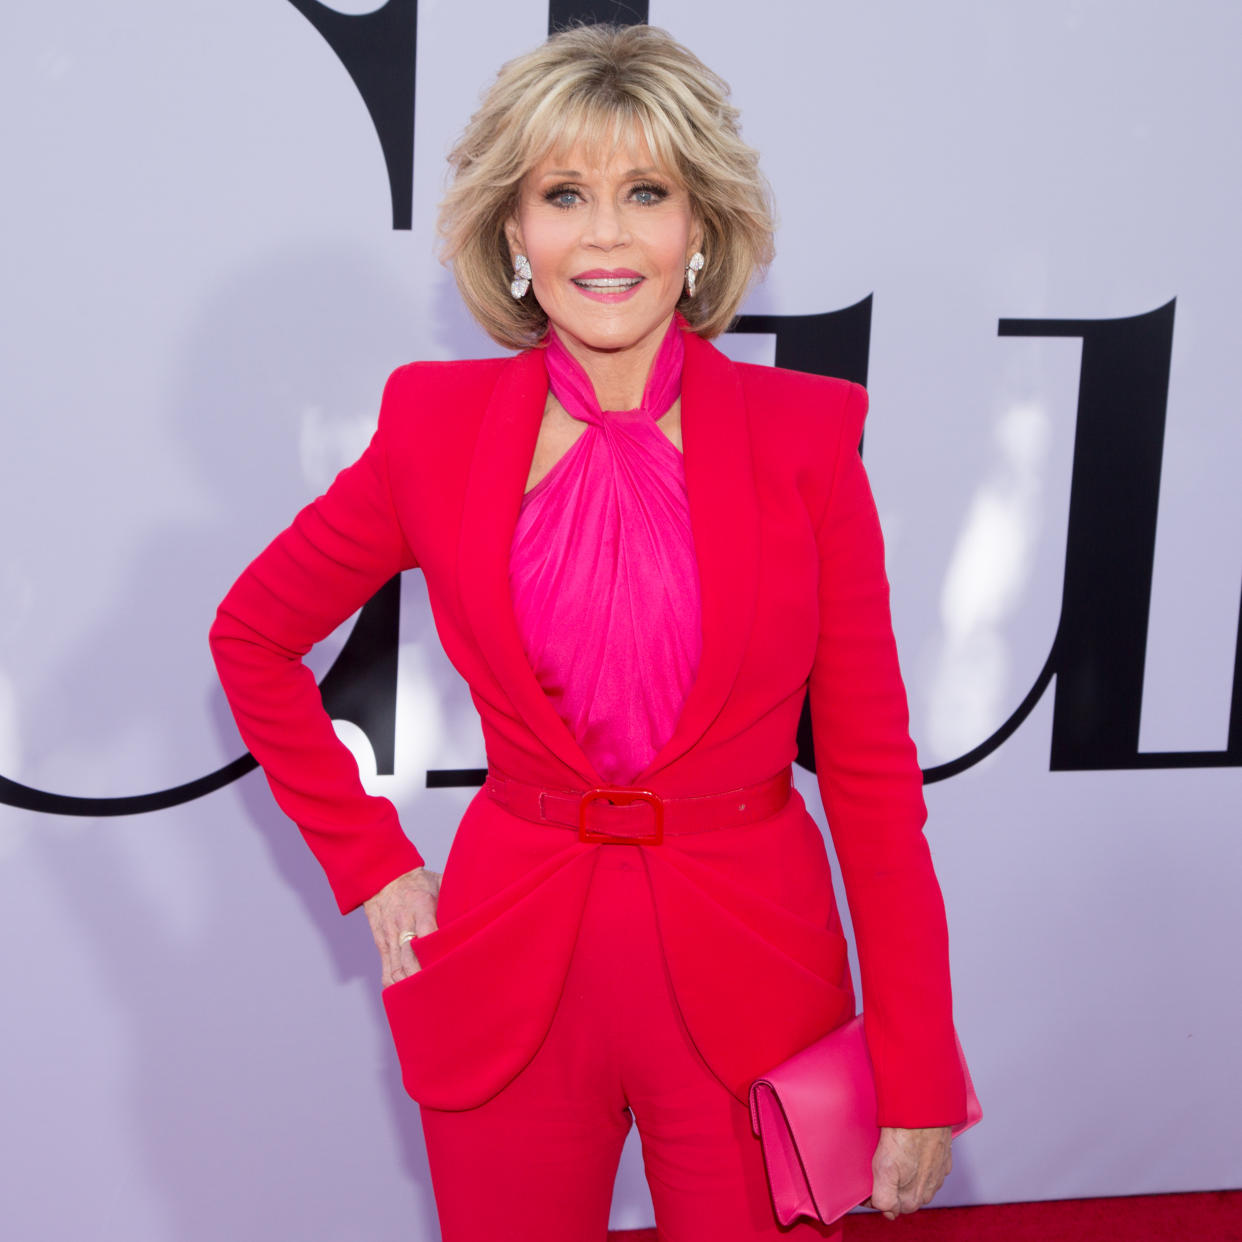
x: 815, y: 1116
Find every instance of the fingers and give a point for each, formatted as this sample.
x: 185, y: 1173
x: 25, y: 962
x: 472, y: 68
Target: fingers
x: 391, y: 968
x: 399, y: 914
x: 401, y: 961
x: 909, y: 1168
x: 422, y: 915
x: 896, y: 1199
x: 885, y: 1188
x: 884, y: 1197
x: 422, y: 923
x: 407, y: 963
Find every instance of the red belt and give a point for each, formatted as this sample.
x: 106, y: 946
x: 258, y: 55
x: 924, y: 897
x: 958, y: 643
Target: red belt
x: 624, y: 815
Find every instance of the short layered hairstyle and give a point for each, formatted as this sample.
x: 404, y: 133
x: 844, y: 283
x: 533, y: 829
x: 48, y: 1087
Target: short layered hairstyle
x: 600, y: 85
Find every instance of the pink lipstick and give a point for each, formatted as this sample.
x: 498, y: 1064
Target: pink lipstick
x: 608, y: 286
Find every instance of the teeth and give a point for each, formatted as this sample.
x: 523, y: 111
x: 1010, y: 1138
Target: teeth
x: 609, y: 282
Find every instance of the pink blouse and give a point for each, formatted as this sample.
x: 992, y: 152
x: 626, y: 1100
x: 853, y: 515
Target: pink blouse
x: 603, y: 573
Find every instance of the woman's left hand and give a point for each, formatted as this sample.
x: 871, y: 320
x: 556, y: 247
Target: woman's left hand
x: 909, y: 1167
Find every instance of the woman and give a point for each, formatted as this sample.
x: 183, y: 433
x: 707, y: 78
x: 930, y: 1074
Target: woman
x: 639, y: 600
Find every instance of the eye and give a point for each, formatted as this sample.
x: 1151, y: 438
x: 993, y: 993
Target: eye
x: 648, y: 194
x: 562, y: 196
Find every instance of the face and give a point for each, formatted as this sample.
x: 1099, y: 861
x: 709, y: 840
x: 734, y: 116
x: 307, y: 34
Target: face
x: 607, y: 246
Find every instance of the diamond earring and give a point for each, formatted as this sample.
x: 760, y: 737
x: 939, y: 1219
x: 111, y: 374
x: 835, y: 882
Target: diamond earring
x: 693, y: 268
x: 521, y: 277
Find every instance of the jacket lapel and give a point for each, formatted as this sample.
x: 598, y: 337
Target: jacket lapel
x: 724, y: 519
x: 494, y: 489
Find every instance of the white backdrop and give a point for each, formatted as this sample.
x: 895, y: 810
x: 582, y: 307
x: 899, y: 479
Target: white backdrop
x: 202, y: 296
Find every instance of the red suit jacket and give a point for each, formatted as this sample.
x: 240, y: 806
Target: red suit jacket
x: 793, y: 593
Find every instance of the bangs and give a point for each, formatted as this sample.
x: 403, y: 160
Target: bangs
x: 600, y: 127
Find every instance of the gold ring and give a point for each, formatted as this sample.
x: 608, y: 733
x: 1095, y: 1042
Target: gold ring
x: 406, y: 937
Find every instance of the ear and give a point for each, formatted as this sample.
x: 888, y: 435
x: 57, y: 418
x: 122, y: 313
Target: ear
x: 513, y: 236
x: 696, y: 236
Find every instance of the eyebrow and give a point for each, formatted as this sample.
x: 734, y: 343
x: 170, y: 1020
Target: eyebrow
x: 574, y: 172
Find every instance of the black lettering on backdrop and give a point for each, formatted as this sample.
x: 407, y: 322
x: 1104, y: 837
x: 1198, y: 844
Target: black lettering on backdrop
x: 27, y: 799
x: 835, y: 343
x: 378, y: 52
x: 361, y: 685
x: 1110, y: 546
x: 565, y: 13
x: 1100, y: 646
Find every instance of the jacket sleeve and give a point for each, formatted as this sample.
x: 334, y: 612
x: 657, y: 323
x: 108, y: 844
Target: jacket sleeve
x: 337, y: 553
x: 872, y: 790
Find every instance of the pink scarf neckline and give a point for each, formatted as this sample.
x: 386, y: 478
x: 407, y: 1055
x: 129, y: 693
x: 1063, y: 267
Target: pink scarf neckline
x: 602, y: 571
x: 572, y: 386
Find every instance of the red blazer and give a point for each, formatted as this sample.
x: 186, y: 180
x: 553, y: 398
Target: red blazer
x: 793, y: 592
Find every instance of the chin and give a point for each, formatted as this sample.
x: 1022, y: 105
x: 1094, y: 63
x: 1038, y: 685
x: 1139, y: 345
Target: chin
x: 611, y: 336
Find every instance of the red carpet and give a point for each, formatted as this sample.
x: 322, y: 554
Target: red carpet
x: 1215, y: 1216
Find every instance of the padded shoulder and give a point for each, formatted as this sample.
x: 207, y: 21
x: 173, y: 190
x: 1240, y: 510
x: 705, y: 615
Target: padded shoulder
x: 818, y: 403
x: 438, y: 387
x: 819, y: 417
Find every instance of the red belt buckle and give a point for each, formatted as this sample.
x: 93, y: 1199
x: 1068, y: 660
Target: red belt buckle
x: 620, y: 797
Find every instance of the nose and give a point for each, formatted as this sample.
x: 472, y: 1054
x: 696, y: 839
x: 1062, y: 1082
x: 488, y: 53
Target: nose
x: 606, y: 227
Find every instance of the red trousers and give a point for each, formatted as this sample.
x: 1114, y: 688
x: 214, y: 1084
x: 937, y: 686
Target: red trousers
x: 538, y: 1161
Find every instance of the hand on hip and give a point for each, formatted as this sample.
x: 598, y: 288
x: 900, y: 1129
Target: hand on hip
x: 399, y: 914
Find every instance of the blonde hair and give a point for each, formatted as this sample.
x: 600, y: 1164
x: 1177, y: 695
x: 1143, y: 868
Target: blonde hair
x: 600, y: 84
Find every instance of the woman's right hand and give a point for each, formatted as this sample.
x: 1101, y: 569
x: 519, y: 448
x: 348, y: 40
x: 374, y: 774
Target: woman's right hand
x: 407, y: 904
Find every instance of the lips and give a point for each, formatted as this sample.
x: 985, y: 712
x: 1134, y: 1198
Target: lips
x: 598, y: 281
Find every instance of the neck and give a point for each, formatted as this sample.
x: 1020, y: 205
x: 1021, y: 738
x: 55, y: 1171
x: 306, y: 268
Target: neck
x: 617, y: 375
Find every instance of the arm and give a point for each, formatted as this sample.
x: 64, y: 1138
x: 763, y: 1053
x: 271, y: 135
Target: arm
x: 872, y: 791
x: 336, y: 554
